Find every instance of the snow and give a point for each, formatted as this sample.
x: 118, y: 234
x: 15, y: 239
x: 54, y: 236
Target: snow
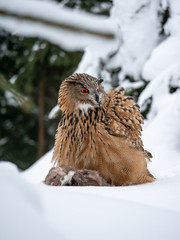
x: 21, y: 208
x: 13, y: 79
x: 52, y: 11
x: 148, y: 211
x: 10, y: 99
x: 39, y: 170
x: 95, y: 31
x: 139, y: 30
x: 53, y: 112
x: 162, y: 132
x: 164, y: 55
x: 31, y: 210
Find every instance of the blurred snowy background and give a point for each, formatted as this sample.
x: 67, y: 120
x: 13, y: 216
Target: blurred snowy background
x: 129, y: 43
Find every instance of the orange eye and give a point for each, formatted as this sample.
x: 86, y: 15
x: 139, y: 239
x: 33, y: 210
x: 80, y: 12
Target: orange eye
x: 84, y: 90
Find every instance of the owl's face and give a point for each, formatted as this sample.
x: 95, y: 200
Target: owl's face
x: 86, y: 91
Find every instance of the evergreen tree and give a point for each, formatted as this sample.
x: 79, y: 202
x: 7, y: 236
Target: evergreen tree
x: 34, y: 68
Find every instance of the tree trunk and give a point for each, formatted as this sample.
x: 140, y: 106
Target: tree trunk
x: 41, y: 134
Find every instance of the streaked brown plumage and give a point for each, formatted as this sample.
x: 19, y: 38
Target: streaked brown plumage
x: 100, y: 131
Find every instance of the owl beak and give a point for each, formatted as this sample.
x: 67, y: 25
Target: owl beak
x: 97, y: 97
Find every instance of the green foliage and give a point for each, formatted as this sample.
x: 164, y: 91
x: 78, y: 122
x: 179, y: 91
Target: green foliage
x: 26, y: 62
x: 18, y: 136
x: 101, y: 7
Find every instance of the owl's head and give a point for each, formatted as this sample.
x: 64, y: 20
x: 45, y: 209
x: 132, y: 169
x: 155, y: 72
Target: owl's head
x: 81, y: 91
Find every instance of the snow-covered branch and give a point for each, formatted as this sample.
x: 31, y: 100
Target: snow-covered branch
x: 68, y: 28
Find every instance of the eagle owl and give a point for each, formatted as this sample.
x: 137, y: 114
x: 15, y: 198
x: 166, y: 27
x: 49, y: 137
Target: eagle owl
x: 100, y: 131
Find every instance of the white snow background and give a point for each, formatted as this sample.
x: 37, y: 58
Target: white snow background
x: 31, y: 210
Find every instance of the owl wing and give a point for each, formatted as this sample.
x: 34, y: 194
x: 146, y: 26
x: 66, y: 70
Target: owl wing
x: 123, y: 119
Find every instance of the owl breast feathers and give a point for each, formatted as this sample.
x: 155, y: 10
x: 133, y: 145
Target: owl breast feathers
x: 101, y: 131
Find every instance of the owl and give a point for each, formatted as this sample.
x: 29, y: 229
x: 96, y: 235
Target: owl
x: 101, y: 131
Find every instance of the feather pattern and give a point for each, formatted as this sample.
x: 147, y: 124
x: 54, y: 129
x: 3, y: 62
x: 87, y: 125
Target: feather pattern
x: 104, y: 136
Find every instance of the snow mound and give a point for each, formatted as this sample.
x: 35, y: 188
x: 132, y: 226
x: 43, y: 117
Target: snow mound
x: 37, y: 211
x: 40, y: 169
x: 21, y: 208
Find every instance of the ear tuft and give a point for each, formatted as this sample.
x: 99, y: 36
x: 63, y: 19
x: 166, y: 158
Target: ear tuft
x: 100, y: 80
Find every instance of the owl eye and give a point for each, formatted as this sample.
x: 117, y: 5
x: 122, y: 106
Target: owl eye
x: 84, y: 90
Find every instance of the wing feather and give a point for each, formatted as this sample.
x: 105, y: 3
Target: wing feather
x: 124, y: 119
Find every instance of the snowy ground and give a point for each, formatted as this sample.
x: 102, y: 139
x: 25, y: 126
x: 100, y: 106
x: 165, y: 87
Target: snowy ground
x: 31, y: 210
